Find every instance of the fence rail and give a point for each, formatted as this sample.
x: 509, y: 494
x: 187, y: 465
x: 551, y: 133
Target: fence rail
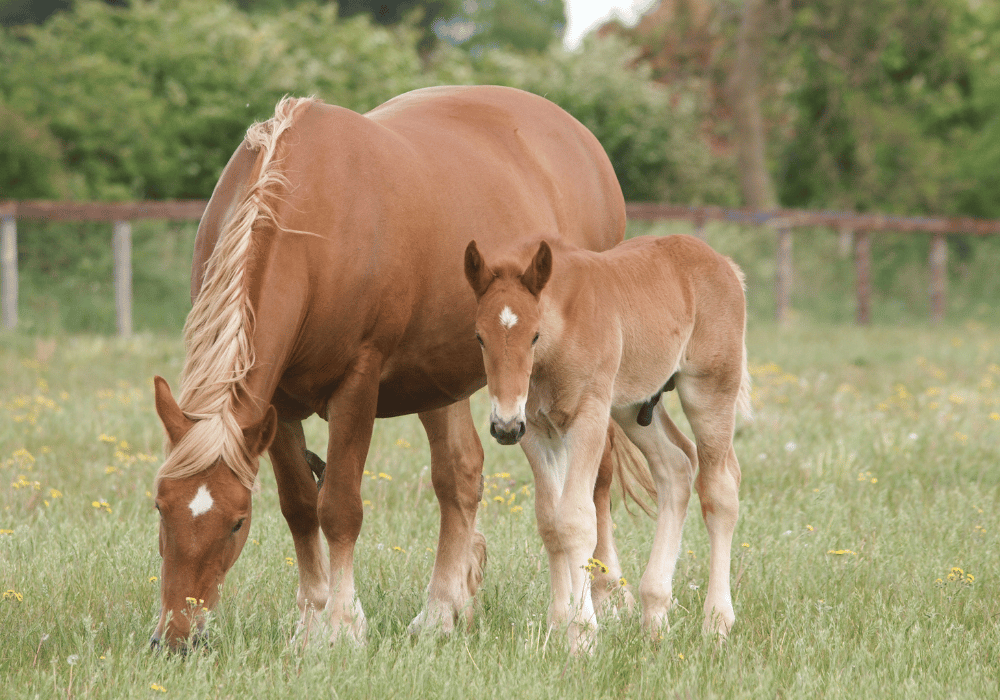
x: 853, y: 229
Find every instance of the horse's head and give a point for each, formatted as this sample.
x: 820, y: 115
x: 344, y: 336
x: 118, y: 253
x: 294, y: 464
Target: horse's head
x: 204, y: 521
x: 507, y: 327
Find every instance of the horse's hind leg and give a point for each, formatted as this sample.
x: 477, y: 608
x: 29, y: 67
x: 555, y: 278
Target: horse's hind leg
x: 298, y: 496
x: 608, y: 588
x: 457, y: 476
x: 672, y: 460
x: 710, y: 408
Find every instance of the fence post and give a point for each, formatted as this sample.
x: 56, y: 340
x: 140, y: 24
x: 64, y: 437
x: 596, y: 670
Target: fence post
x: 699, y: 228
x: 845, y: 237
x: 862, y: 274
x: 939, y: 277
x: 8, y: 270
x: 122, y: 247
x: 783, y: 275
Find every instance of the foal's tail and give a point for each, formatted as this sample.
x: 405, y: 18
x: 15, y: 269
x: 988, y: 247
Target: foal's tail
x: 631, y: 469
x: 743, y: 404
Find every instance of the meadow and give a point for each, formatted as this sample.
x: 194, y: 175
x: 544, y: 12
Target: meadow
x: 866, y: 558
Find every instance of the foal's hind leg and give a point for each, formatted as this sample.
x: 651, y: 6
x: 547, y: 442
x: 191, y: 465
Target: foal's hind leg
x: 711, y: 412
x: 298, y: 496
x: 607, y: 588
x: 457, y: 475
x: 672, y: 460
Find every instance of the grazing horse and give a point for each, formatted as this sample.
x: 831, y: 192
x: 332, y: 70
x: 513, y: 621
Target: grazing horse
x: 326, y: 279
x: 574, y: 337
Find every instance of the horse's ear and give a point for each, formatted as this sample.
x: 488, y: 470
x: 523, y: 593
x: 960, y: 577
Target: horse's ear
x: 174, y: 421
x: 539, y: 270
x: 476, y: 273
x: 258, y: 437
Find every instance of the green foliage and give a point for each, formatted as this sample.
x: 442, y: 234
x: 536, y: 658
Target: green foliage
x: 650, y: 132
x: 29, y: 159
x: 891, y: 102
x: 150, y: 102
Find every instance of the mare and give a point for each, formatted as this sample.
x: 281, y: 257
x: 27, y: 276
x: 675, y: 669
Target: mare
x: 326, y: 280
x: 570, y: 338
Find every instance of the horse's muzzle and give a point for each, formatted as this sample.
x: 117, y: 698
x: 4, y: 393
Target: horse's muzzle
x: 507, y: 432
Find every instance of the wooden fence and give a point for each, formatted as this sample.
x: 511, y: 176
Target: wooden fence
x: 851, y: 227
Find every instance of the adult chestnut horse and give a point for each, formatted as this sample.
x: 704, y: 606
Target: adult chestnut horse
x: 327, y: 279
x: 572, y: 338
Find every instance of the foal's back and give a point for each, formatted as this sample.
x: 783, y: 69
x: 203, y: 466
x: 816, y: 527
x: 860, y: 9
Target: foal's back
x: 669, y: 301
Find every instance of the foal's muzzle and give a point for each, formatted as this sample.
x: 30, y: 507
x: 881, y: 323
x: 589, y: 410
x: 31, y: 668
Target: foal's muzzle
x: 507, y: 432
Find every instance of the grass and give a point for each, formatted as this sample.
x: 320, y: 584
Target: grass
x: 866, y: 558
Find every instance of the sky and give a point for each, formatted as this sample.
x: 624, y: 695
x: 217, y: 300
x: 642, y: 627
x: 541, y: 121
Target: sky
x: 584, y: 15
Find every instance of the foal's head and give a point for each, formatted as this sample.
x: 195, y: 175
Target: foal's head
x: 507, y: 327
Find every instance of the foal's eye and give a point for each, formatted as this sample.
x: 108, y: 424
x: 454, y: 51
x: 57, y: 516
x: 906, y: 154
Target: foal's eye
x: 480, y: 339
x: 238, y: 525
x: 535, y: 339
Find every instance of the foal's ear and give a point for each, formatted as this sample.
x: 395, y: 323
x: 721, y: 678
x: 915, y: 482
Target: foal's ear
x: 173, y: 418
x: 258, y: 437
x: 476, y: 273
x: 539, y: 270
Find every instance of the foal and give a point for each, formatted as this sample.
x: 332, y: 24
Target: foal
x: 570, y: 343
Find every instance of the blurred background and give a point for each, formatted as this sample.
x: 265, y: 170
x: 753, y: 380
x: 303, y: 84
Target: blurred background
x: 888, y: 106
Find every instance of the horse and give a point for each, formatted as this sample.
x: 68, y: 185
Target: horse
x: 571, y: 338
x: 326, y: 280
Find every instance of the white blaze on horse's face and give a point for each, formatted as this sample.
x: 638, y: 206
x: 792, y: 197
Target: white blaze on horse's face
x: 508, y: 319
x: 202, y: 502
x: 204, y: 523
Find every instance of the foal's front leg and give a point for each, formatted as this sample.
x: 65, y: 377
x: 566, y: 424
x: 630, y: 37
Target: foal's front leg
x: 565, y: 473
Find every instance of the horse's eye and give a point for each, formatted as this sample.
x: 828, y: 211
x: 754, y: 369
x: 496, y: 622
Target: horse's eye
x: 535, y: 339
x: 238, y: 525
x: 480, y: 339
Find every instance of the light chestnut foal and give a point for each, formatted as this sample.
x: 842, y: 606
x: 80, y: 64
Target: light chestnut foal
x: 572, y: 337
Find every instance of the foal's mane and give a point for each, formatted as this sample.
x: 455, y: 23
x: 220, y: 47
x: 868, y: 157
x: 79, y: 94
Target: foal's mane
x: 218, y: 333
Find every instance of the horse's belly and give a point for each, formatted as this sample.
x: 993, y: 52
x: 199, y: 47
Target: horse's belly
x: 415, y: 387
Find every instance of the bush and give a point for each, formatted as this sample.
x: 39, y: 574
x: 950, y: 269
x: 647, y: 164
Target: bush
x: 650, y: 132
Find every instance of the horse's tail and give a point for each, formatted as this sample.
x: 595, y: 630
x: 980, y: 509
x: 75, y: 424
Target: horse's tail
x: 631, y: 469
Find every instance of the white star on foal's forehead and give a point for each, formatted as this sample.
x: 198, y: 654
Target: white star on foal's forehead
x: 508, y: 319
x: 202, y: 502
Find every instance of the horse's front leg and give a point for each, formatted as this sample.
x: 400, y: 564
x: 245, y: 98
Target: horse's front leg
x: 457, y: 476
x: 298, y: 497
x: 351, y: 416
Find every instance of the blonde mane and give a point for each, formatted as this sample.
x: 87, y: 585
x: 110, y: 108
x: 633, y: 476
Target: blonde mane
x: 218, y: 332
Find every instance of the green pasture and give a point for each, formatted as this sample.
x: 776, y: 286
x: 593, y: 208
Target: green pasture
x: 866, y: 558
